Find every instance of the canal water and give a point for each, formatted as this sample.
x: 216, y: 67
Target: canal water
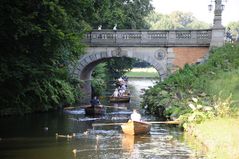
x: 34, y: 136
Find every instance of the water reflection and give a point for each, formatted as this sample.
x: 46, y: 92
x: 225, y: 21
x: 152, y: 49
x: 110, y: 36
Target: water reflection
x: 27, y: 137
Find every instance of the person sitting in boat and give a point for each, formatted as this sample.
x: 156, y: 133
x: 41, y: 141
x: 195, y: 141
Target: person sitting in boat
x: 135, y: 116
x: 120, y: 79
x: 121, y: 92
x: 123, y: 87
x: 116, y: 93
x: 125, y: 78
x: 95, y: 101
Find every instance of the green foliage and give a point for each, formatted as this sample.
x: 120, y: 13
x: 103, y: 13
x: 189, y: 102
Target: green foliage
x: 117, y: 67
x: 224, y: 84
x: 99, y: 79
x: 234, y: 28
x: 127, y: 14
x: 195, y: 82
x: 201, y: 110
x: 143, y: 74
x: 40, y: 40
x: 175, y: 20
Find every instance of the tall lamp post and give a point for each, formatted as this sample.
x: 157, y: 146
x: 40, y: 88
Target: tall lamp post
x: 218, y: 29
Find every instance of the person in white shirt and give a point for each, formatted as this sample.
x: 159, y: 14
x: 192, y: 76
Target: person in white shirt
x: 135, y: 116
x: 116, y: 93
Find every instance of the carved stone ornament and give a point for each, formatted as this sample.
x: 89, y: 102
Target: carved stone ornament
x: 160, y: 54
x: 118, y: 52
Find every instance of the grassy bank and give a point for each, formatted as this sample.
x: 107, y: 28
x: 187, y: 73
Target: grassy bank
x: 219, y: 132
x: 225, y: 84
x: 205, y: 98
x: 220, y: 136
x: 143, y: 72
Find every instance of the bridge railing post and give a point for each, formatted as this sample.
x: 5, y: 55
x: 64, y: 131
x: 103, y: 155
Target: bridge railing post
x: 193, y: 37
x: 144, y: 37
x: 171, y: 37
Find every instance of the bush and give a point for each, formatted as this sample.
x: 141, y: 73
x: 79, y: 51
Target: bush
x: 193, y: 81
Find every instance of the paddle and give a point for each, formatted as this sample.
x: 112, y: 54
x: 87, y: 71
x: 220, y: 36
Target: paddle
x: 105, y: 124
x: 110, y: 106
x: 149, y: 122
x: 111, y: 96
x: 71, y: 107
x: 163, y: 122
x: 85, y: 106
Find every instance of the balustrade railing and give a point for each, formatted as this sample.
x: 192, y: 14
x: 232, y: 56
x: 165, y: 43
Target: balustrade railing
x: 148, y: 38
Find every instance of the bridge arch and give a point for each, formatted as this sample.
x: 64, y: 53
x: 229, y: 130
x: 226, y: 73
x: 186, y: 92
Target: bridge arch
x: 157, y: 57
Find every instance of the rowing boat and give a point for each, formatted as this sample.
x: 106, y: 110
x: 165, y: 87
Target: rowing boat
x: 96, y: 110
x: 124, y: 99
x: 135, y: 127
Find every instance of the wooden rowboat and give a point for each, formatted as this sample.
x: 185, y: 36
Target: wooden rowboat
x: 96, y: 110
x: 135, y: 127
x: 124, y: 99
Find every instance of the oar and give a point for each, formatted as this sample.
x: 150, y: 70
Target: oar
x: 149, y: 122
x: 105, y: 124
x: 110, y: 106
x: 85, y: 106
x: 111, y: 96
x: 163, y: 122
x: 71, y: 107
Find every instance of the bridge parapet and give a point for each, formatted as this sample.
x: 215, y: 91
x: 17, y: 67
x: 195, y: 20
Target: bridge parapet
x: 149, y: 38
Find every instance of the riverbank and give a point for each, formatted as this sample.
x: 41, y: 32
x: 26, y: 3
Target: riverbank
x: 205, y: 98
x: 143, y: 73
x: 220, y: 136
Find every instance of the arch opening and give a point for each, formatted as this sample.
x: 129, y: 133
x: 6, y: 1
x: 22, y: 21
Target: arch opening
x: 87, y: 63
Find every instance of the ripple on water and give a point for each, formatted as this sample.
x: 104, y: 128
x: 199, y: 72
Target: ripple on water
x: 78, y: 111
x: 120, y: 113
x: 99, y: 134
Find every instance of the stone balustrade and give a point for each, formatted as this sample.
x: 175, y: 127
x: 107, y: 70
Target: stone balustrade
x: 148, y: 38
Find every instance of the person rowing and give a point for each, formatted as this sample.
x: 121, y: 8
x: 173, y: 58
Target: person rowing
x: 94, y: 102
x: 135, y: 116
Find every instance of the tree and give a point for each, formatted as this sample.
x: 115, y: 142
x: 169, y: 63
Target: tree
x: 175, y: 20
x: 39, y: 39
x: 234, y: 28
x: 117, y: 67
x: 127, y: 14
x: 181, y: 19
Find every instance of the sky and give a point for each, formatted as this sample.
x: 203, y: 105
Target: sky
x: 199, y: 8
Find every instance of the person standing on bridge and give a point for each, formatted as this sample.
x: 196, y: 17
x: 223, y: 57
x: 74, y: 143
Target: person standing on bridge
x: 229, y: 35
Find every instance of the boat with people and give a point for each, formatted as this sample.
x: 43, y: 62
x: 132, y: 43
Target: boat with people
x: 136, y: 127
x: 123, y: 99
x: 95, y: 107
x: 121, y: 93
x: 121, y: 81
x: 95, y: 110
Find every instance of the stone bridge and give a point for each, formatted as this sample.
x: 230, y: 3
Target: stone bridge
x: 165, y: 50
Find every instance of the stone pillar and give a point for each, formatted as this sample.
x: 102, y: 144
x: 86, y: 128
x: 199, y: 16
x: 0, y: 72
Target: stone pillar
x: 218, y: 31
x: 171, y: 37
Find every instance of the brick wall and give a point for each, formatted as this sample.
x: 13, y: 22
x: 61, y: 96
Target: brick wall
x: 188, y: 55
